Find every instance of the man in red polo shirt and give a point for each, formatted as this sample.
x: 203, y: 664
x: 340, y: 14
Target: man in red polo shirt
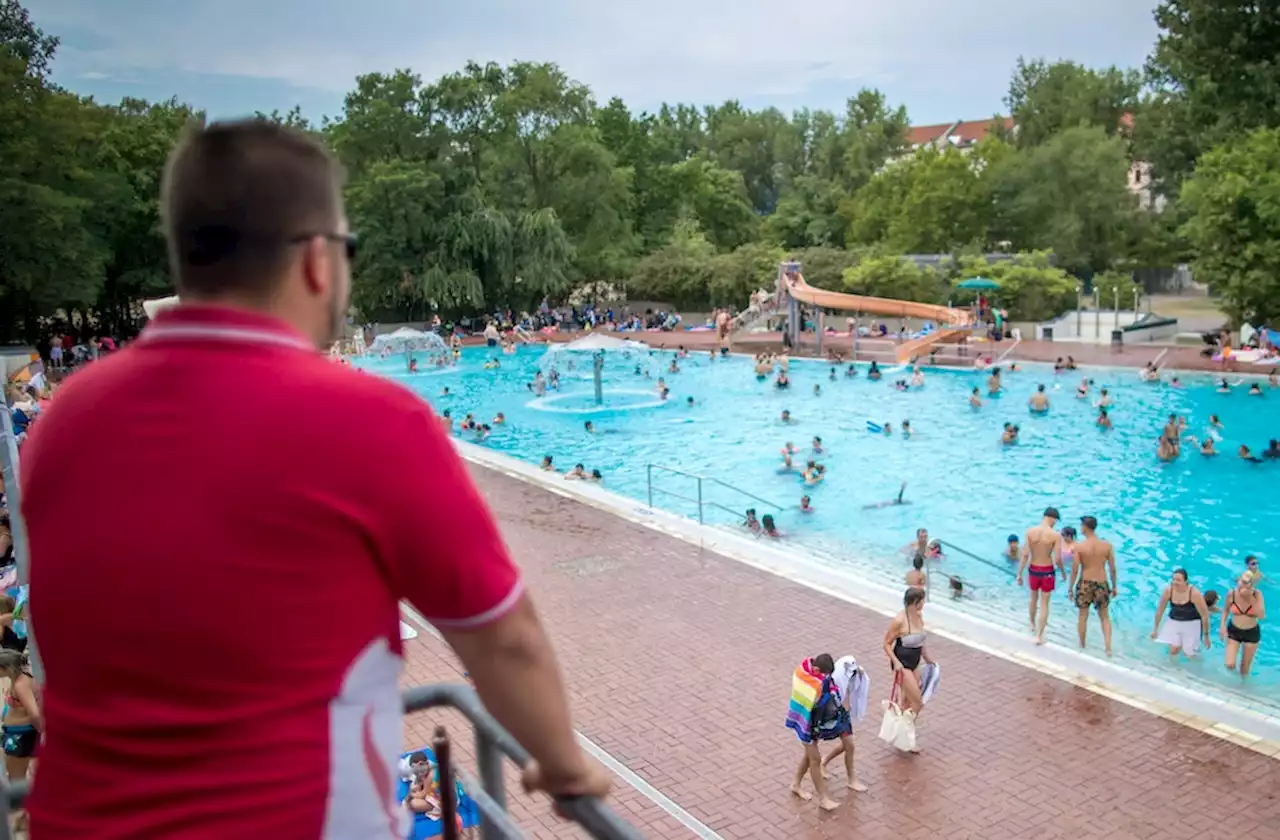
x: 219, y: 627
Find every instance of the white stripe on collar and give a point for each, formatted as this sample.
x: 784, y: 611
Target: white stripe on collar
x: 210, y: 332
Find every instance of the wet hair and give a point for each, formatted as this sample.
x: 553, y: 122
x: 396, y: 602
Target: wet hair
x: 1182, y: 572
x: 1013, y: 538
x: 1210, y: 598
x: 751, y: 511
x: 579, y: 467
x: 1040, y: 388
x: 914, y: 595
x: 596, y: 474
x: 1089, y: 522
x: 12, y: 660
x: 917, y: 562
x: 767, y: 521
x: 1069, y: 531
x: 824, y: 663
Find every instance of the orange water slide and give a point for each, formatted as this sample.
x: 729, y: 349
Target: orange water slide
x: 951, y: 322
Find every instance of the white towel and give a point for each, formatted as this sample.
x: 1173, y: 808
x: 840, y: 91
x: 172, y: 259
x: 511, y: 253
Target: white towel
x: 929, y: 681
x: 853, y: 684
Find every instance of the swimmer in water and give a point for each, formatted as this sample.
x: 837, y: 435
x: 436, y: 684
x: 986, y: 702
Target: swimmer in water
x: 917, y: 377
x: 817, y: 390
x: 1246, y: 455
x: 874, y: 372
x: 444, y: 392
x: 1215, y: 424
x: 888, y: 429
x: 1207, y: 447
x: 1058, y: 366
x: 1071, y: 363
x: 662, y: 384
x: 783, y: 380
x: 1039, y: 401
x: 817, y: 445
x: 975, y: 398
x: 1104, y: 399
x: 752, y: 524
x: 850, y: 372
x: 1104, y: 419
x: 786, y: 416
x: 805, y: 507
x: 413, y: 366
x: 1010, y: 434
x: 499, y: 419
x: 1272, y: 379
x: 673, y: 367
x: 547, y: 464
x: 1166, y: 450
x: 993, y: 383
x: 595, y: 476
x: 1255, y: 390
x: 768, y: 528
x: 915, y: 577
x: 589, y: 427
x: 906, y: 428
x: 832, y: 375
x: 1175, y: 382
x: 689, y: 402
x: 1082, y: 390
x: 578, y: 473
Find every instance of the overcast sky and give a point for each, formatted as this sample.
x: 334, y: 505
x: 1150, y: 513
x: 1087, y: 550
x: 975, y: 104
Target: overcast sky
x: 943, y: 59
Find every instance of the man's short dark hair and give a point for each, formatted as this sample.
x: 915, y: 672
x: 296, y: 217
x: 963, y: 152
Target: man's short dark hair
x: 237, y: 196
x: 1051, y: 513
x: 1089, y: 522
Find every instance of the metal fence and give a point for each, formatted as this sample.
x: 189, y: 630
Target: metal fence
x: 489, y: 793
x: 492, y: 741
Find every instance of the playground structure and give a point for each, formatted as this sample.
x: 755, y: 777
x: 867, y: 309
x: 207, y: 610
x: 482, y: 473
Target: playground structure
x: 950, y: 324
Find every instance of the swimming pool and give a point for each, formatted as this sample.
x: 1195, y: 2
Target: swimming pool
x: 1203, y: 514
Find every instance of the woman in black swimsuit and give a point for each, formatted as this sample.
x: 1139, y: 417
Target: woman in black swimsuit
x: 904, y: 644
x: 1240, y: 627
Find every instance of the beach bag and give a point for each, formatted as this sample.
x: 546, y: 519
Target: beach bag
x: 898, y: 727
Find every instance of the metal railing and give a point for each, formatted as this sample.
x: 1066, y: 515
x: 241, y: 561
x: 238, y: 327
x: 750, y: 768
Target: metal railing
x: 701, y: 501
x: 952, y: 579
x: 489, y: 794
x: 1006, y: 353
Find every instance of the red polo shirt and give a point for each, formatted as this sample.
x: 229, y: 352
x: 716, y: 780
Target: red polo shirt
x: 216, y: 607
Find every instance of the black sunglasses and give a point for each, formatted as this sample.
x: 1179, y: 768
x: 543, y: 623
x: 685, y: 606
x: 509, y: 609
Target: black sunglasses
x: 350, y: 240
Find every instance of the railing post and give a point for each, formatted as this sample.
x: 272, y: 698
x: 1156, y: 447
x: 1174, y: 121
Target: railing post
x: 489, y: 763
x: 700, y: 519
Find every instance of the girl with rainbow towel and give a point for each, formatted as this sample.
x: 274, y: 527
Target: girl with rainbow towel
x: 816, y: 713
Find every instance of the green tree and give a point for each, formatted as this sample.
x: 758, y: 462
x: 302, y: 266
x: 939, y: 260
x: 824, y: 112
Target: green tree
x: 1069, y: 195
x: 1215, y: 74
x: 678, y: 273
x: 892, y: 276
x: 1032, y: 288
x: 930, y: 202
x: 733, y: 277
x: 1044, y: 99
x: 1233, y: 206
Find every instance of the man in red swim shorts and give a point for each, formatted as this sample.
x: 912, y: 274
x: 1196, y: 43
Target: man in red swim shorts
x: 1041, y: 552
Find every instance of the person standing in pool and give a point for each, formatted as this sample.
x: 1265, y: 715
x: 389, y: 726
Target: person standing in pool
x: 1239, y: 626
x: 1188, y: 622
x: 1093, y: 563
x: 1039, y: 401
x: 993, y: 383
x: 1041, y: 552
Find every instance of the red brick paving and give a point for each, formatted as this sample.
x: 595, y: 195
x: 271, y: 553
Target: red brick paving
x: 678, y: 661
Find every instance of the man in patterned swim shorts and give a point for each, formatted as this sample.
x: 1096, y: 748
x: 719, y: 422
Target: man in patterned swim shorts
x: 1092, y: 563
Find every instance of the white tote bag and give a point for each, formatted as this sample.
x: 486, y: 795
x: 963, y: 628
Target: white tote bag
x: 898, y: 727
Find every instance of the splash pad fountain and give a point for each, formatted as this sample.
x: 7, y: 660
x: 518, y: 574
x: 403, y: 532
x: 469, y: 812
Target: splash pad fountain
x: 600, y: 400
x: 408, y: 341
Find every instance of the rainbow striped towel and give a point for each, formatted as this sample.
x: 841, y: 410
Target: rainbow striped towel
x: 806, y: 688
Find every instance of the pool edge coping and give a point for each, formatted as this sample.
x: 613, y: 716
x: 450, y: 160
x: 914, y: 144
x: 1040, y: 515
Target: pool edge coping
x: 1107, y: 679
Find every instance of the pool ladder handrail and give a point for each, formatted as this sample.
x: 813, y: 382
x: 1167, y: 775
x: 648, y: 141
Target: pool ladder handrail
x: 489, y: 795
x: 928, y: 576
x: 701, y: 501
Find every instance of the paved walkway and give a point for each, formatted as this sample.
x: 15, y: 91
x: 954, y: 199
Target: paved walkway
x: 679, y: 665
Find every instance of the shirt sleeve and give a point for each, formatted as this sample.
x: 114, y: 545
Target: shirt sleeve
x: 445, y: 554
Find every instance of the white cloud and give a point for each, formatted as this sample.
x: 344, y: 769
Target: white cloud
x: 94, y: 75
x: 646, y: 52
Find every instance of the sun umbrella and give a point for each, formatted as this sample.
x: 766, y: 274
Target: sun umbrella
x: 978, y: 283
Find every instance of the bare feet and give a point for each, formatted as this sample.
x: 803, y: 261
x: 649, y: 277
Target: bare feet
x: 804, y: 795
x: 1039, y: 640
x: 1108, y: 651
x: 857, y: 786
x: 828, y: 804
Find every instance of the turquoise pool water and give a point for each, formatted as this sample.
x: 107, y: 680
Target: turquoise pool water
x: 1204, y: 514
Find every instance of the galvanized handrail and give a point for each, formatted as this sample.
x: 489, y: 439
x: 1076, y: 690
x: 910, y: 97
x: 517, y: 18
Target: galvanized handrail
x: 492, y: 743
x: 701, y: 500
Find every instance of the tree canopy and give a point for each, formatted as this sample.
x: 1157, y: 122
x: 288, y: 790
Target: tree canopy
x: 496, y: 186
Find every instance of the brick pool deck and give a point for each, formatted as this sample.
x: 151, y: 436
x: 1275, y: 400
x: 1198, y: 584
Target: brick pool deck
x: 1170, y: 357
x: 678, y: 662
